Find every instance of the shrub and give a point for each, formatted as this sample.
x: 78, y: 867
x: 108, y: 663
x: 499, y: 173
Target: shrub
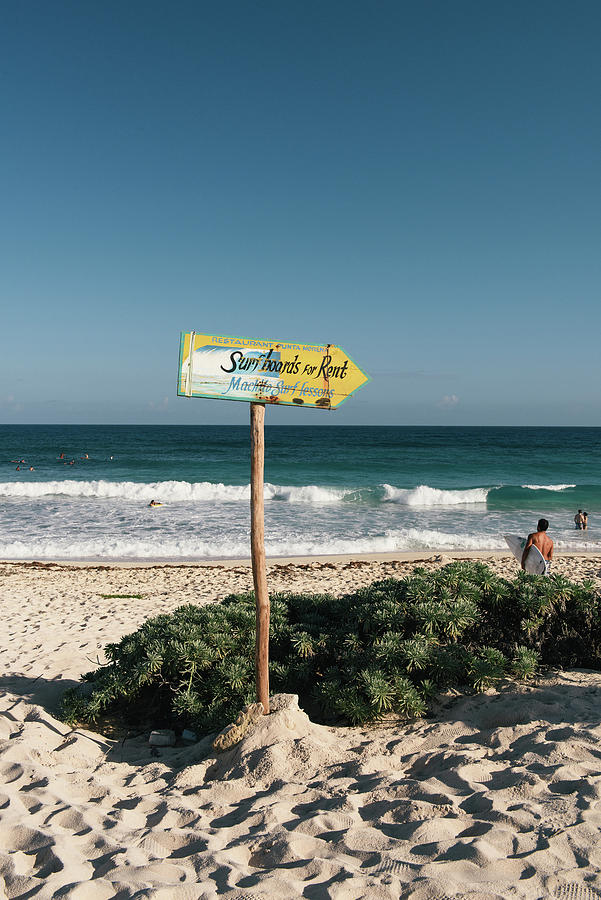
x: 386, y: 648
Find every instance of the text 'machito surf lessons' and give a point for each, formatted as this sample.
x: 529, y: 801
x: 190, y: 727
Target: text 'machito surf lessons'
x: 275, y: 372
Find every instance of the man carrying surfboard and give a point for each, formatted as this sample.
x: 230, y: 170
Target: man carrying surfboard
x: 541, y: 540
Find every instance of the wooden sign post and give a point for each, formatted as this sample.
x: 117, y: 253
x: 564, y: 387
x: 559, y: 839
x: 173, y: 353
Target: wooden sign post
x: 264, y: 373
x: 257, y: 551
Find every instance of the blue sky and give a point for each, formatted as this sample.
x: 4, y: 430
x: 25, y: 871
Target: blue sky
x: 419, y: 183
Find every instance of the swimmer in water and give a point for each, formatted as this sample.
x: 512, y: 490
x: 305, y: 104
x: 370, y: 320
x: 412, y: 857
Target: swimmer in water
x: 155, y: 503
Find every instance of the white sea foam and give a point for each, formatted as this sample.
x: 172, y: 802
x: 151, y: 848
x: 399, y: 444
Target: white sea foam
x: 582, y: 546
x: 125, y: 490
x: 155, y: 546
x: 308, y: 493
x: 122, y: 547
x: 167, y: 491
x: 548, y: 487
x: 423, y: 495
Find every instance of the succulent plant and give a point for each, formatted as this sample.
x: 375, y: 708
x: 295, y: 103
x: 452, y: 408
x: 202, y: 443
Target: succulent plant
x: 386, y: 648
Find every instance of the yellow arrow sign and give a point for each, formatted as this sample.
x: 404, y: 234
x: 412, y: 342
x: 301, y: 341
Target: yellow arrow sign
x: 275, y: 372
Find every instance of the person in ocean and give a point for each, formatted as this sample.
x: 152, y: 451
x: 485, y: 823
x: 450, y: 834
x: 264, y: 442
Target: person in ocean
x: 543, y: 542
x: 155, y: 503
x: 584, y: 521
x: 579, y: 520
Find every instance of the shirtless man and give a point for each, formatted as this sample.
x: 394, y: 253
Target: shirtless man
x: 540, y: 539
x: 579, y: 520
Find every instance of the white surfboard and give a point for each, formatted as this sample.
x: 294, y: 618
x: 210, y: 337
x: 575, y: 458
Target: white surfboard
x: 535, y: 561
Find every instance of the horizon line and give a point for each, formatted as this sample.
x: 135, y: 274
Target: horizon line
x: 267, y: 424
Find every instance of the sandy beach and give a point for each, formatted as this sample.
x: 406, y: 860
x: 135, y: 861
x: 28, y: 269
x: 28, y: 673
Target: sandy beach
x: 495, y: 795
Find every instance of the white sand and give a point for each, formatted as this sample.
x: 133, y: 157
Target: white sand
x: 497, y: 795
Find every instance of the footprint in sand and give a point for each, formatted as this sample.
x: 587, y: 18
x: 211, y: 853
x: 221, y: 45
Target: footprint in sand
x: 172, y: 818
x: 11, y: 773
x: 575, y: 891
x: 325, y: 826
x: 395, y: 867
x: 165, y: 844
x: 475, y: 773
x: 188, y: 892
x: 98, y: 889
x: 21, y: 837
x: 70, y: 819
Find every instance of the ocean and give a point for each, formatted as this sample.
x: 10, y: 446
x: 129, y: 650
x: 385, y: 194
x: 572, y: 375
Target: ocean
x: 328, y: 489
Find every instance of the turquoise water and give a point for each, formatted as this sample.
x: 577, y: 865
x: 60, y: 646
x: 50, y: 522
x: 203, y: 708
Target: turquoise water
x: 329, y: 489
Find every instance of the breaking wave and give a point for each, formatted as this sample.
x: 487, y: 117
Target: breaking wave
x: 427, y: 496
x: 168, y: 491
x: 494, y: 497
x: 548, y: 487
x: 185, y: 491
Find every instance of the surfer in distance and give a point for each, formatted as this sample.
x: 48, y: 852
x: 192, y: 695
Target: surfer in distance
x: 541, y: 540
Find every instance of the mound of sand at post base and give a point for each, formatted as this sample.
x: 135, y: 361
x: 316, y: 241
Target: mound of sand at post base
x: 498, y: 795
x: 281, y: 742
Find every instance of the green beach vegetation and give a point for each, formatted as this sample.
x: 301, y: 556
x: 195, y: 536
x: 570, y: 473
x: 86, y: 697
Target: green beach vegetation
x: 385, y: 649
